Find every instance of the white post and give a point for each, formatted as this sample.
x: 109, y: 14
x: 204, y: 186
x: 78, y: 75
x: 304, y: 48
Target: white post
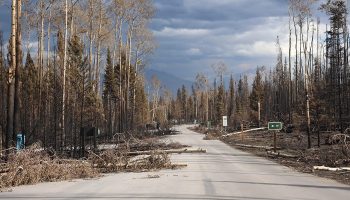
x: 258, y: 114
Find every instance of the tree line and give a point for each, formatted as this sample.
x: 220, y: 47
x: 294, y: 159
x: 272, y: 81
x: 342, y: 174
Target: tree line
x: 73, y: 64
x: 86, y: 70
x: 307, y: 89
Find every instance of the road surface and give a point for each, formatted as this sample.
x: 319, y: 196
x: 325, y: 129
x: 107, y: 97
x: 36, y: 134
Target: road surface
x: 222, y: 173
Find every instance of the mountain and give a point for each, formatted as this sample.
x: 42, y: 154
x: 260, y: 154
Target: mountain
x: 168, y: 81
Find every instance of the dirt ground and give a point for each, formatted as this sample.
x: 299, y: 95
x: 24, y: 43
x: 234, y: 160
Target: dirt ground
x: 295, y: 144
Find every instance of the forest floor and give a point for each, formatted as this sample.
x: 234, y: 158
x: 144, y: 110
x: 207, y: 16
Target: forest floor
x: 292, y: 150
x: 34, y: 165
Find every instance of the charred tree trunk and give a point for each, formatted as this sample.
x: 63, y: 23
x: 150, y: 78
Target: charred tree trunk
x: 11, y: 79
x: 16, y: 122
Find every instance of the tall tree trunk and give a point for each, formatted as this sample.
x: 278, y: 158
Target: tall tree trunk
x: 116, y: 43
x: 300, y: 55
x: 91, y: 17
x: 47, y: 100
x: 306, y: 82
x: 207, y: 106
x: 71, y: 31
x: 11, y: 77
x: 63, y: 136
x: 41, y: 65
x: 296, y: 60
x: 134, y: 88
x: 121, y: 101
x: 48, y: 40
x: 290, y: 92
x: 2, y: 98
x: 99, y: 38
x: 16, y: 122
x: 128, y: 74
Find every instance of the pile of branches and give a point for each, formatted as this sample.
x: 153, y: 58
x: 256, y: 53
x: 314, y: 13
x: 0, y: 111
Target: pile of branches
x: 110, y: 161
x: 153, y: 144
x: 31, y: 165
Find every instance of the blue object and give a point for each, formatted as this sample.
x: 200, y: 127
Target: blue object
x: 20, y: 141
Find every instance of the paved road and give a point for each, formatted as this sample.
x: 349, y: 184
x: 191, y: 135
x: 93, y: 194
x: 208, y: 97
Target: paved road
x: 221, y: 173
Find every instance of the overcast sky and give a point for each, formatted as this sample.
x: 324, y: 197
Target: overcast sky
x: 193, y: 34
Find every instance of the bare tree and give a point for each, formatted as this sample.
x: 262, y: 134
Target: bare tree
x: 16, y: 122
x: 220, y: 68
x: 11, y: 77
x: 155, y: 95
x: 203, y: 83
x: 63, y: 136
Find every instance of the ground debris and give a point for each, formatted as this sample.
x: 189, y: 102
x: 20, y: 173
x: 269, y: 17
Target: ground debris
x: 114, y: 161
x: 212, y: 136
x: 178, y: 151
x: 30, y: 166
x: 153, y: 176
x: 256, y: 146
x: 33, y: 164
x: 331, y: 168
x: 280, y: 154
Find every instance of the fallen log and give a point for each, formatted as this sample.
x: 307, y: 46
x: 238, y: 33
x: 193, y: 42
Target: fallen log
x: 135, y: 153
x: 333, y: 169
x: 258, y: 147
x: 4, y: 170
x: 250, y: 130
x: 123, y: 167
x: 279, y: 154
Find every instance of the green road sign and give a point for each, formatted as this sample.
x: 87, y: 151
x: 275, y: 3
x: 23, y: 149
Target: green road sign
x: 275, y: 126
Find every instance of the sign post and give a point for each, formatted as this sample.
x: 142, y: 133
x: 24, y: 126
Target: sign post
x: 242, y: 132
x: 275, y: 126
x: 224, y: 122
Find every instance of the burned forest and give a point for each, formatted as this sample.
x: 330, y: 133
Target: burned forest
x: 77, y: 99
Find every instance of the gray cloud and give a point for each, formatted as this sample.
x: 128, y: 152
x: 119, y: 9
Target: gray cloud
x: 193, y: 34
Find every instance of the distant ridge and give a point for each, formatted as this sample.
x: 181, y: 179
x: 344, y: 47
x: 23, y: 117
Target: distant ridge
x: 168, y: 81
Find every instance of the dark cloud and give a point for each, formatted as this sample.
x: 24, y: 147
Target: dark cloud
x: 194, y: 34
